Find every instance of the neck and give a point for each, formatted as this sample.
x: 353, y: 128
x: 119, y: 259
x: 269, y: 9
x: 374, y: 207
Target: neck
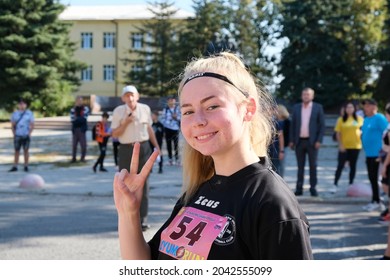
x: 228, y: 164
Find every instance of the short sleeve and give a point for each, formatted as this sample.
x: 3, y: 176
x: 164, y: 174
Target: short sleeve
x: 115, y: 118
x: 337, y: 128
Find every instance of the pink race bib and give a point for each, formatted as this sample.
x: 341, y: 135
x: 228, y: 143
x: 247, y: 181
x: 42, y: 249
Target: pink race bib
x: 191, y: 234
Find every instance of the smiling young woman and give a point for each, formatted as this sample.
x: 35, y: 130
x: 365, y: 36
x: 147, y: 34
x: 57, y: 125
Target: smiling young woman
x: 233, y: 205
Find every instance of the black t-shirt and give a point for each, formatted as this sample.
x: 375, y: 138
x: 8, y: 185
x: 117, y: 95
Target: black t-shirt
x: 263, y: 220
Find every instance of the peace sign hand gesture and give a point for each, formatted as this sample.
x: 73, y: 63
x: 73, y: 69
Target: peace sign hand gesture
x: 128, y: 186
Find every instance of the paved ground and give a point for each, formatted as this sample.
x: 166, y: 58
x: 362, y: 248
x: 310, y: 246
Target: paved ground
x: 73, y: 217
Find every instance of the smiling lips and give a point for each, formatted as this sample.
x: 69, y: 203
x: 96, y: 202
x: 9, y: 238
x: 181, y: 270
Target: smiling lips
x: 205, y: 136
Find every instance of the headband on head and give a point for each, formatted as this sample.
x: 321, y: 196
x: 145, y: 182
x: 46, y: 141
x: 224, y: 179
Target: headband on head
x: 214, y: 75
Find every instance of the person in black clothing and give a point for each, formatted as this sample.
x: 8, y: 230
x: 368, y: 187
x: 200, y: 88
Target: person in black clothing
x: 102, y: 135
x: 233, y: 206
x: 158, y: 129
x: 78, y: 116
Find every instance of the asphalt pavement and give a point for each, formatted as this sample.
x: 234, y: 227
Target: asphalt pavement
x: 73, y: 215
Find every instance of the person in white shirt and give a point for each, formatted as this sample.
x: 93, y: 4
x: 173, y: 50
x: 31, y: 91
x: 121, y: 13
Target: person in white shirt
x: 22, y: 126
x: 132, y: 123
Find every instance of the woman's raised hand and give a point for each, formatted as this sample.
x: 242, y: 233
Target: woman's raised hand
x: 128, y: 186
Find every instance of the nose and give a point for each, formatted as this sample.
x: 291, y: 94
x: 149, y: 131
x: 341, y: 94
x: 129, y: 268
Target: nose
x: 199, y: 119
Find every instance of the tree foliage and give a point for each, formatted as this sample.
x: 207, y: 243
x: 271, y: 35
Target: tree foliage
x: 252, y: 27
x: 382, y: 92
x: 155, y: 65
x: 36, y: 55
x: 332, y: 46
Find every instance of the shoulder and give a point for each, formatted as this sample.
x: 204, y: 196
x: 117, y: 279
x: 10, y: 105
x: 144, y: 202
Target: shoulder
x: 273, y: 199
x: 143, y: 107
x: 118, y: 109
x: 297, y: 106
x: 317, y: 105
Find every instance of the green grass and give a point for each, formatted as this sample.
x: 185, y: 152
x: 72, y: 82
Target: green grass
x: 4, y: 115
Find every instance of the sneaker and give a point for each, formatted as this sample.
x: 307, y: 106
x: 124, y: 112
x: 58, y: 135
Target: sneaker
x: 385, y: 220
x: 26, y: 169
x: 382, y: 206
x: 372, y: 206
x: 298, y: 192
x: 333, y: 189
x: 313, y: 192
x: 384, y: 213
x: 103, y: 169
x: 13, y: 169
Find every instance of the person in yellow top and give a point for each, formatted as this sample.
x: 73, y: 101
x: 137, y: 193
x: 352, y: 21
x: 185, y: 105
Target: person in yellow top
x: 348, y: 136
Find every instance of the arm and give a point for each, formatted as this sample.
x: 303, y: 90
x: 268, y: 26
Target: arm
x: 281, y: 145
x: 338, y: 137
x: 291, y: 133
x: 321, y: 127
x: 31, y: 128
x: 128, y: 191
x: 386, y: 163
x: 152, y: 138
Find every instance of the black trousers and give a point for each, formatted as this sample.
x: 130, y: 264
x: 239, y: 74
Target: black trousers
x: 372, y: 164
x: 102, y: 149
x: 302, y: 149
x: 350, y: 155
x: 172, y: 136
x: 79, y: 137
x: 115, y: 146
x: 125, y: 154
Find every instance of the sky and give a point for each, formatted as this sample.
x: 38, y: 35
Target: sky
x: 182, y: 4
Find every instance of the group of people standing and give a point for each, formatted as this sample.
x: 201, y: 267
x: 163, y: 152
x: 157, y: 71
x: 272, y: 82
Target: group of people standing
x: 133, y: 122
x: 233, y: 205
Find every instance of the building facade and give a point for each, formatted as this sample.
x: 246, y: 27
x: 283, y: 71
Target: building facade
x: 104, y: 36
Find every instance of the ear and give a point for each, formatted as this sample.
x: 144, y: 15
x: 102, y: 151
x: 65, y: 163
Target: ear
x: 250, y: 109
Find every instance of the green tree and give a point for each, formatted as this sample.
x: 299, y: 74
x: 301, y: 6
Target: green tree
x: 332, y: 44
x: 382, y: 92
x: 157, y: 63
x: 363, y: 36
x: 36, y: 55
x: 252, y: 27
x: 201, y: 31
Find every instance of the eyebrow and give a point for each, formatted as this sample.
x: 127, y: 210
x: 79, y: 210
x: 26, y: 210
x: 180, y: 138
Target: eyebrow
x: 214, y: 75
x: 201, y: 102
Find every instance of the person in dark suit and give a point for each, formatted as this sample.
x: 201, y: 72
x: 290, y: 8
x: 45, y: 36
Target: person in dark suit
x: 306, y: 133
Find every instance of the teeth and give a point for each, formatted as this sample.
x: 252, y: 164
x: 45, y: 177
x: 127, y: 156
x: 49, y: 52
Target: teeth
x: 205, y: 136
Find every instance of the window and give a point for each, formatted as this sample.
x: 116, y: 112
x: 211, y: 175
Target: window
x: 86, y: 40
x: 137, y: 40
x: 109, y: 72
x: 109, y: 40
x: 86, y: 74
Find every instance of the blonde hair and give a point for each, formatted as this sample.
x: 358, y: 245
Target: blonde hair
x: 198, y: 168
x: 282, y: 112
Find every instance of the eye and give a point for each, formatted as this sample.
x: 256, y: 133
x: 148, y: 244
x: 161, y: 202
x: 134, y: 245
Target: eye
x: 188, y: 112
x: 212, y: 107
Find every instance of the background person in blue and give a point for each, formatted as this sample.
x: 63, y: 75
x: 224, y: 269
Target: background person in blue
x: 171, y: 121
x: 22, y: 126
x: 373, y: 126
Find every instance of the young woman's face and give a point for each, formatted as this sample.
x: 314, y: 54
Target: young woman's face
x: 212, y: 122
x: 349, y: 109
